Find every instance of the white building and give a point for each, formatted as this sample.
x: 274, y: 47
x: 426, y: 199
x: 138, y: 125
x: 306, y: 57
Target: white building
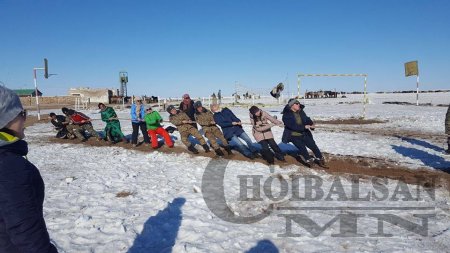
x: 89, y: 95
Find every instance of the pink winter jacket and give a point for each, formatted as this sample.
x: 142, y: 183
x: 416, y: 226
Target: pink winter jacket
x: 262, y: 127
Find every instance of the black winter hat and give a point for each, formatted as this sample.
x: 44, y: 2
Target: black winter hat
x: 170, y: 108
x: 197, y: 104
x: 64, y: 110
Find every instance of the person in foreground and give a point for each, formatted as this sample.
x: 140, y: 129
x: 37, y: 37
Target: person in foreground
x: 22, y: 225
x: 297, y: 129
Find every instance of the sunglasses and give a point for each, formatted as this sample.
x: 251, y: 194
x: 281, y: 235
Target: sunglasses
x: 296, y: 103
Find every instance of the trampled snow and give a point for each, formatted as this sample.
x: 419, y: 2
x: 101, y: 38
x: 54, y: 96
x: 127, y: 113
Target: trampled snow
x: 163, y: 209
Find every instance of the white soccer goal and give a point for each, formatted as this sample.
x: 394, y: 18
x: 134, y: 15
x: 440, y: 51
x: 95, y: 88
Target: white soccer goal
x: 365, y: 99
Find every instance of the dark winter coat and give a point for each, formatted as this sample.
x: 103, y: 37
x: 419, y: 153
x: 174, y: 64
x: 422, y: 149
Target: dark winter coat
x: 58, y: 122
x: 224, y: 119
x: 22, y: 225
x: 294, y: 123
x: 447, y: 121
x: 189, y: 109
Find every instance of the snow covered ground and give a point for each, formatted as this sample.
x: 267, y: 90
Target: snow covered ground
x: 166, y: 210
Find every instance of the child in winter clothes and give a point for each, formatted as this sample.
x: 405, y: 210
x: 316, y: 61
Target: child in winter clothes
x: 262, y: 123
x: 205, y: 119
x: 232, y: 130
x: 113, y: 132
x: 153, y: 119
x: 184, y: 124
x: 22, y: 190
x: 137, y: 121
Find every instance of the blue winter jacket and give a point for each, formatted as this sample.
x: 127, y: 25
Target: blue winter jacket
x: 134, y: 114
x: 224, y: 119
x: 22, y: 225
x: 291, y: 125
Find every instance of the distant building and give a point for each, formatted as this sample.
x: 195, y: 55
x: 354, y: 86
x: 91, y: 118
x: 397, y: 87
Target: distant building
x: 90, y: 95
x: 27, y: 93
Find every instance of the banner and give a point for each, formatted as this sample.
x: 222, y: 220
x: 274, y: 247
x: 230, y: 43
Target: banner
x: 411, y: 68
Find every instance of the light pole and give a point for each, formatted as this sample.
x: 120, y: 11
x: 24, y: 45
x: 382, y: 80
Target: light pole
x: 45, y: 68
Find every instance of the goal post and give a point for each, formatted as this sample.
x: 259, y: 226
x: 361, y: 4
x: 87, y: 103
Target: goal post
x: 365, y: 100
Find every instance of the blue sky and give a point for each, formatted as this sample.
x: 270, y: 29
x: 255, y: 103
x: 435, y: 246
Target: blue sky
x: 172, y: 47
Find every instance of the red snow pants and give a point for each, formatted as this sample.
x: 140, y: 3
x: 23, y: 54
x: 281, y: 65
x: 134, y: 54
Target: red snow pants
x: 160, y: 131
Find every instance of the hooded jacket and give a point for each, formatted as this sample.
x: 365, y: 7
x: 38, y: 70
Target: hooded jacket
x: 224, y: 119
x: 294, y: 123
x: 262, y: 126
x: 22, y: 225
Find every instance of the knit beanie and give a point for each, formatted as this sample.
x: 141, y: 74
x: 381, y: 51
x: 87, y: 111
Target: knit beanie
x: 292, y: 102
x: 197, y: 104
x: 10, y: 106
x: 170, y: 108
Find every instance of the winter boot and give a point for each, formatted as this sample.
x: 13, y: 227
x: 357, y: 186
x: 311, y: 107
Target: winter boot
x: 206, y: 148
x: 268, y: 156
x: 310, y: 163
x: 228, y: 149
x: 193, y: 149
x: 219, y: 152
x: 321, y: 162
x: 280, y: 157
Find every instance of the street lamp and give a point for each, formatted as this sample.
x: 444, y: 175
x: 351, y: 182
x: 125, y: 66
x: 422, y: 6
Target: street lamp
x: 45, y: 68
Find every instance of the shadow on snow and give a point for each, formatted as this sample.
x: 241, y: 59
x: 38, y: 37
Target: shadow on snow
x: 160, y: 232
x: 428, y: 159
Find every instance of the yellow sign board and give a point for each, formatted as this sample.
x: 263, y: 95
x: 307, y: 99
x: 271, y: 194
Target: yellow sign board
x: 412, y: 68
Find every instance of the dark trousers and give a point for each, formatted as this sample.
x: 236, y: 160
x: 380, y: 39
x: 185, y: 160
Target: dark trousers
x: 134, y: 135
x: 306, y: 141
x: 267, y: 154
